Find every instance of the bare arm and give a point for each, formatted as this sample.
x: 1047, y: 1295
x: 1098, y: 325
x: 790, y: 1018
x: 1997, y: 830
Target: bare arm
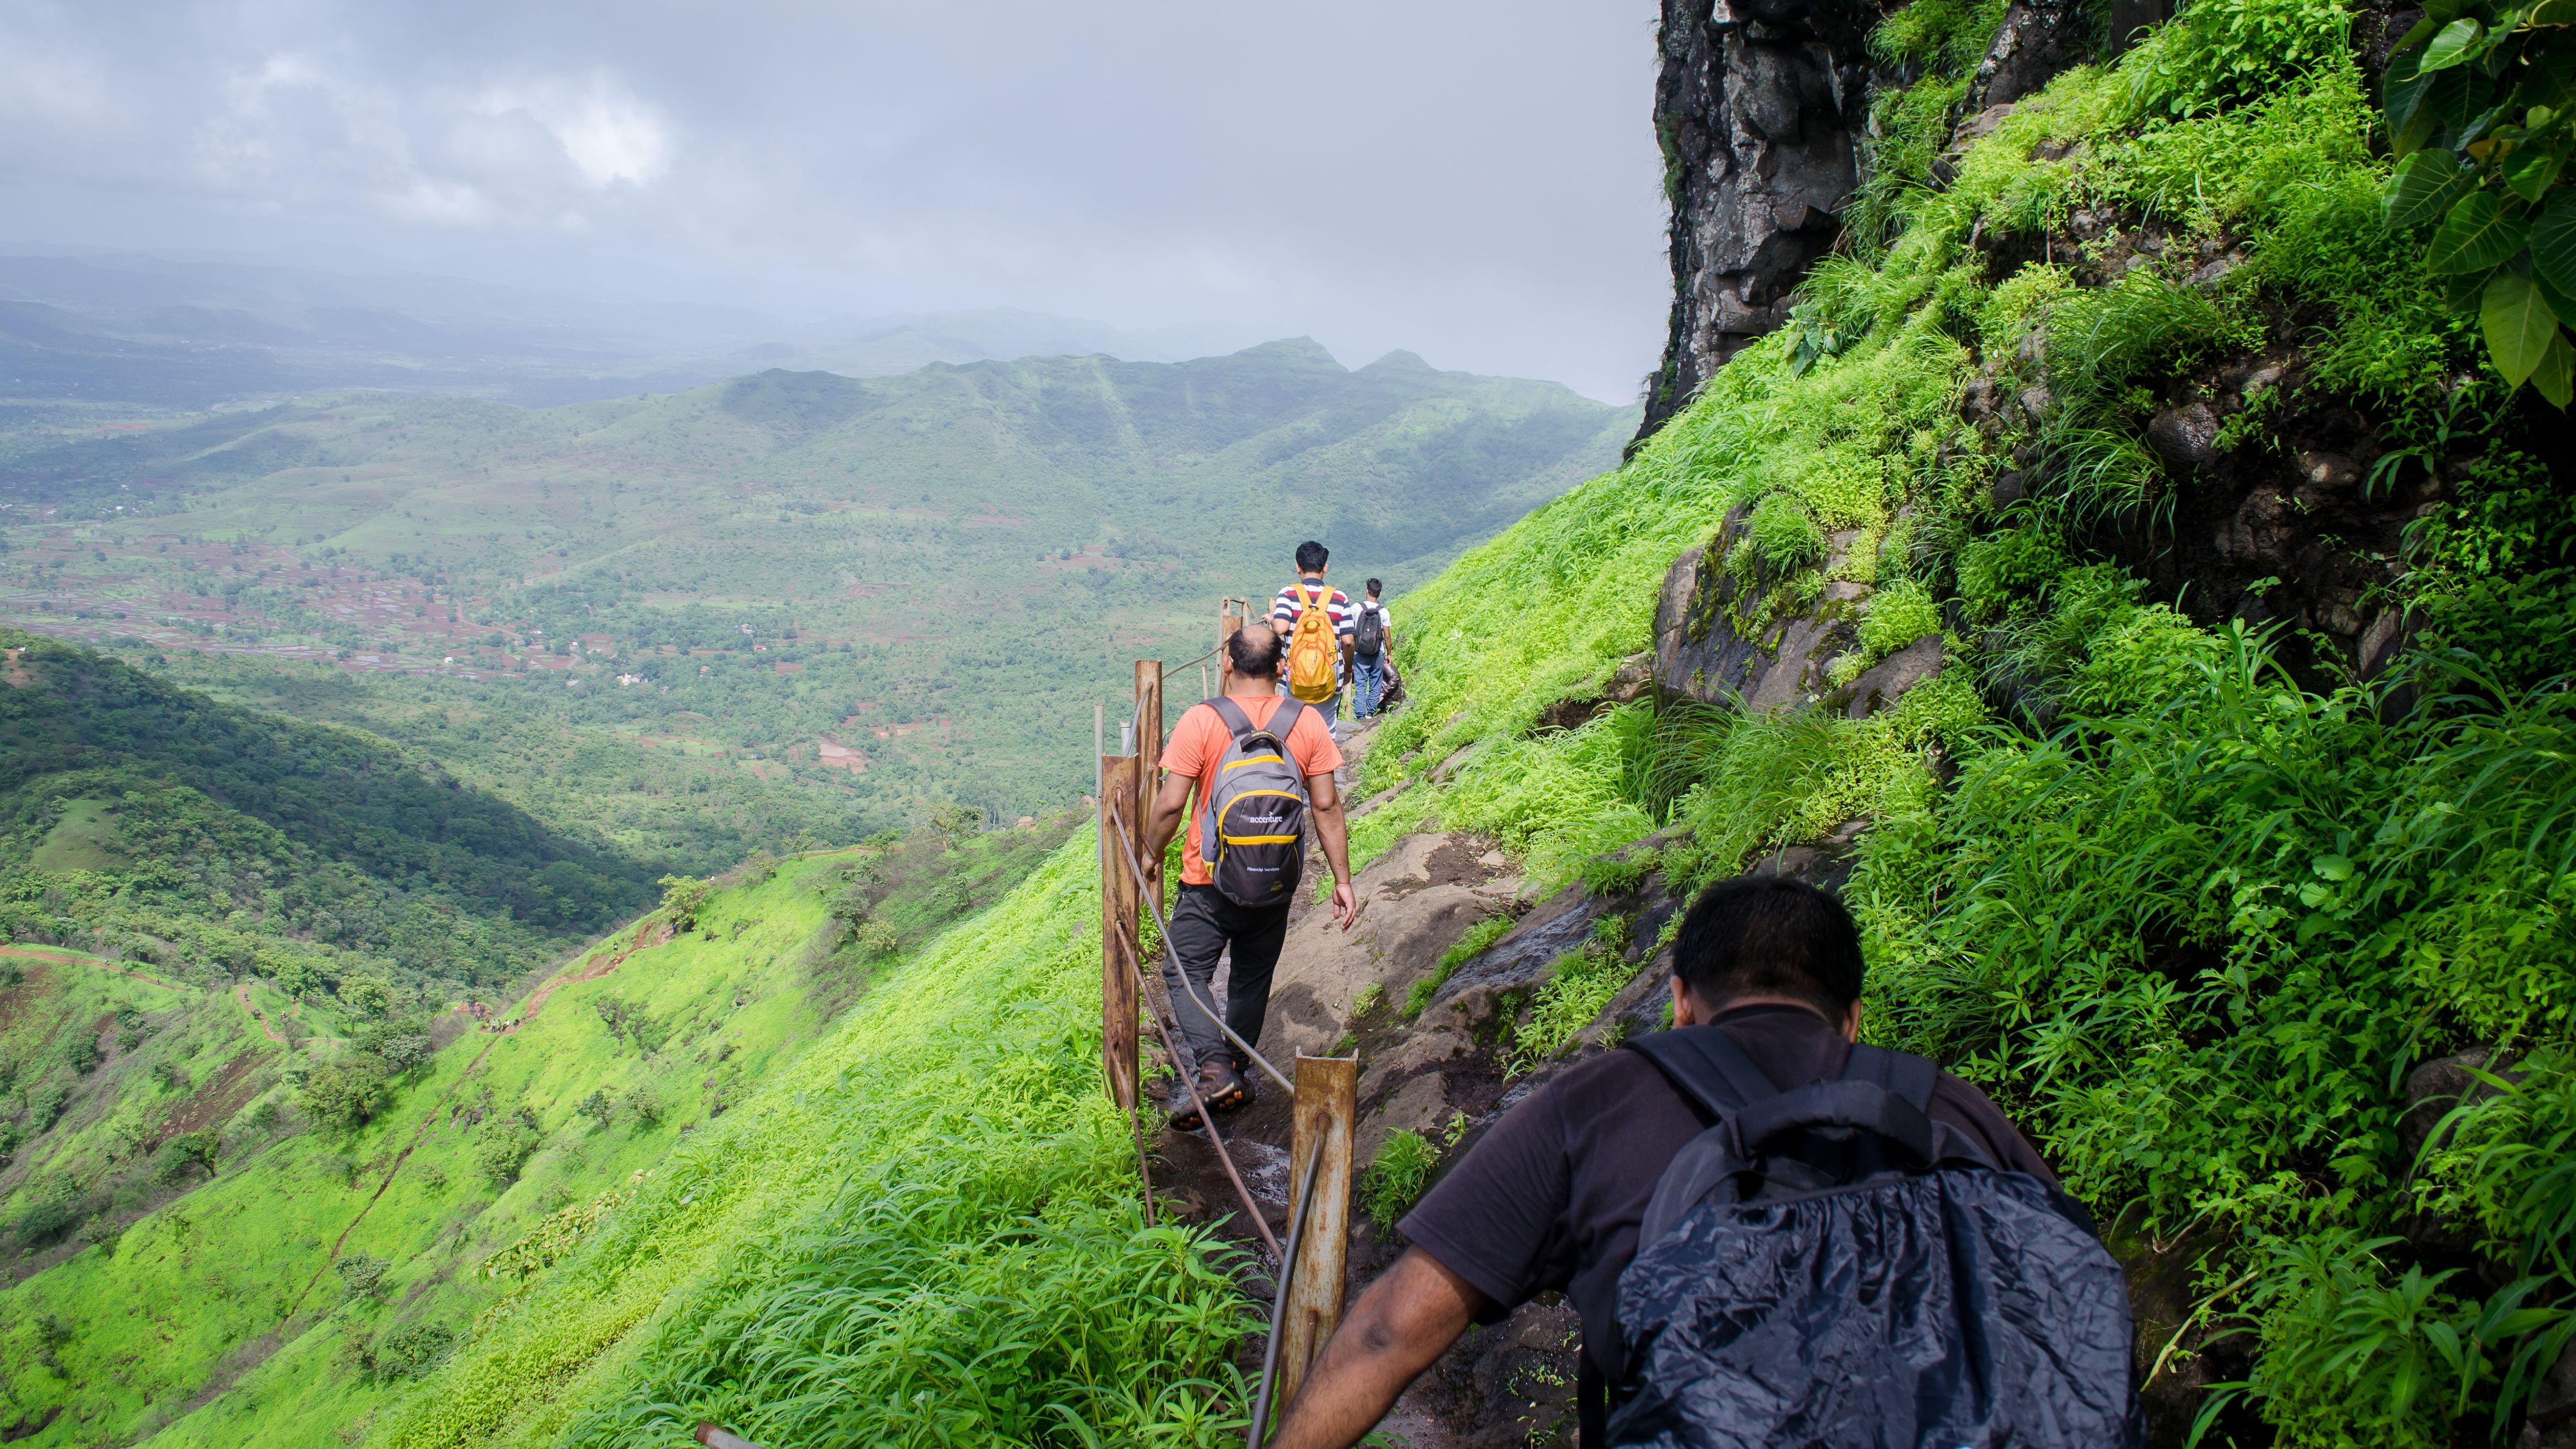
x: 1406, y: 1319
x: 1163, y: 820
x: 1334, y: 831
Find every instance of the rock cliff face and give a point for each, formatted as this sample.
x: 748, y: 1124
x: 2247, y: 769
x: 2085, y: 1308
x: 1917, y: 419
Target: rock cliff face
x: 1758, y: 106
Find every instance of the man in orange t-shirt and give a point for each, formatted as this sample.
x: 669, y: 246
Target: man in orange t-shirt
x: 1204, y: 922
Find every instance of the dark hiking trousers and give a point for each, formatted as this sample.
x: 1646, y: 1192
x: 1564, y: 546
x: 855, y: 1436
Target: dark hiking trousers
x: 1204, y: 923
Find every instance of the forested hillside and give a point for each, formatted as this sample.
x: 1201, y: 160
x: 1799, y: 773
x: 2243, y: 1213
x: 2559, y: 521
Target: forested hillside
x: 145, y: 820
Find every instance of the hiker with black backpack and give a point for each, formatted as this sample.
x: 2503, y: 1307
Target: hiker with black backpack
x: 1250, y: 771
x: 1775, y: 1238
x: 1372, y: 650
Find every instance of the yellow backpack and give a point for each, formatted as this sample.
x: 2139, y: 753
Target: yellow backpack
x: 1314, y: 658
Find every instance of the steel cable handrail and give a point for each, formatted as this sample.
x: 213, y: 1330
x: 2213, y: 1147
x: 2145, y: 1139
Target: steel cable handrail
x: 1279, y: 1299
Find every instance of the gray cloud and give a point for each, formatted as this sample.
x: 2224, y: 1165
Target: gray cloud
x: 1476, y: 182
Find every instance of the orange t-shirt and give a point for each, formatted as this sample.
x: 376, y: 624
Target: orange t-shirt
x: 1200, y: 740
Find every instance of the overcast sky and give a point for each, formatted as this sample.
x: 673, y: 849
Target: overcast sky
x: 1475, y: 182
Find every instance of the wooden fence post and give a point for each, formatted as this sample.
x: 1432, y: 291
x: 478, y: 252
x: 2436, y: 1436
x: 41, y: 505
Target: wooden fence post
x: 1326, y: 1102
x: 1118, y: 938
x: 1149, y: 763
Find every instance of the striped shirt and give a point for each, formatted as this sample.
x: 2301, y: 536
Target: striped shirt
x: 1290, y: 606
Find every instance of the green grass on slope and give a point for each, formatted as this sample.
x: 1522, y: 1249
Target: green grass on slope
x: 2197, y: 938
x: 229, y: 1314
x: 924, y: 1232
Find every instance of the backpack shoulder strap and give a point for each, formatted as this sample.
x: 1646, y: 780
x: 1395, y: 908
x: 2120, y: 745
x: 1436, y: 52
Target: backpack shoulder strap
x: 1706, y: 1066
x: 1902, y: 1073
x: 1231, y: 715
x: 1283, y: 720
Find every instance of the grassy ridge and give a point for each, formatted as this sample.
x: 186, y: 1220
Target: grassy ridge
x: 926, y: 1233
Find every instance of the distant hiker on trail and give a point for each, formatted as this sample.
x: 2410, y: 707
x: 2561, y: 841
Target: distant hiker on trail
x: 1771, y: 1235
x: 1248, y: 770
x: 1318, y: 652
x: 1372, y: 651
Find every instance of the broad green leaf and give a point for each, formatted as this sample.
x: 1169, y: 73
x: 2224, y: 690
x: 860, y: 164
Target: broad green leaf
x: 2461, y: 293
x: 2519, y: 325
x: 2553, y: 12
x: 2402, y: 94
x: 2332, y: 867
x: 2559, y: 302
x: 2451, y: 46
x: 2479, y: 232
x: 2555, y: 377
x: 2529, y: 175
x: 2553, y: 245
x: 2424, y: 186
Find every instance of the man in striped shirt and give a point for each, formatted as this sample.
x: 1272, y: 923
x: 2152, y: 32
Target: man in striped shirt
x: 1291, y: 605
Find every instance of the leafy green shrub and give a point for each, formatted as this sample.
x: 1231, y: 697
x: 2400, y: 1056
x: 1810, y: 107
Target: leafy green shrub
x: 45, y: 1107
x: 683, y: 897
x: 2219, y: 53
x: 641, y: 1104
x: 504, y: 1144
x: 1994, y: 571
x: 409, y: 1351
x: 345, y: 1095
x: 878, y: 938
x: 1394, y: 1183
x: 952, y: 897
x: 1782, y: 535
x: 2482, y: 107
x: 189, y: 1150
x: 49, y: 1217
x: 1466, y: 948
x: 80, y: 1052
x: 367, y: 994
x: 1898, y: 615
x: 402, y: 1043
x: 170, y: 1076
x: 1581, y: 985
x: 362, y: 1275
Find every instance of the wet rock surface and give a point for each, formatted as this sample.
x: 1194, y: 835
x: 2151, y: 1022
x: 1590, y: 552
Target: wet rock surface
x: 1757, y: 106
x: 1724, y: 638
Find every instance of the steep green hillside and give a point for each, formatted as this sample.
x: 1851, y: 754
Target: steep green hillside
x: 234, y: 1238
x: 897, y: 591
x: 144, y: 820
x: 2192, y: 894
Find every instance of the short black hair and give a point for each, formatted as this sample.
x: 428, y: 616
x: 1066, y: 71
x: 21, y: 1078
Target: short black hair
x: 1312, y: 556
x: 1254, y: 648
x: 1374, y: 587
x: 1769, y: 936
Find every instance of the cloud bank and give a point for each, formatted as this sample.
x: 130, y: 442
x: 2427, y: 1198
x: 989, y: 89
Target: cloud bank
x: 1478, y: 183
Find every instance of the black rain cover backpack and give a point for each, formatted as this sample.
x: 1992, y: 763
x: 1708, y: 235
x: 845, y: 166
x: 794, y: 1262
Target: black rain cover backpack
x: 1828, y: 1268
x: 1369, y: 638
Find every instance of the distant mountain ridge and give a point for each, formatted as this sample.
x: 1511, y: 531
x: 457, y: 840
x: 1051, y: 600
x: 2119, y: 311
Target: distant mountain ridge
x: 970, y: 543
x: 194, y: 333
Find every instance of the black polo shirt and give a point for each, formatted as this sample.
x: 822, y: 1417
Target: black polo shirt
x: 1551, y: 1198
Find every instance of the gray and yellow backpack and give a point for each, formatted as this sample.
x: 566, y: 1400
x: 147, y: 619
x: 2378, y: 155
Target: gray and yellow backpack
x: 1252, y: 825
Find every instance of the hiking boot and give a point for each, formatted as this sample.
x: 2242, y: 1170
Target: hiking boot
x: 1245, y: 1078
x: 1218, y: 1086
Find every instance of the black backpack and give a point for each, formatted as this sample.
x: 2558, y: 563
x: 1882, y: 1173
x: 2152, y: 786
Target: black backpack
x: 1828, y: 1268
x: 1368, y: 638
